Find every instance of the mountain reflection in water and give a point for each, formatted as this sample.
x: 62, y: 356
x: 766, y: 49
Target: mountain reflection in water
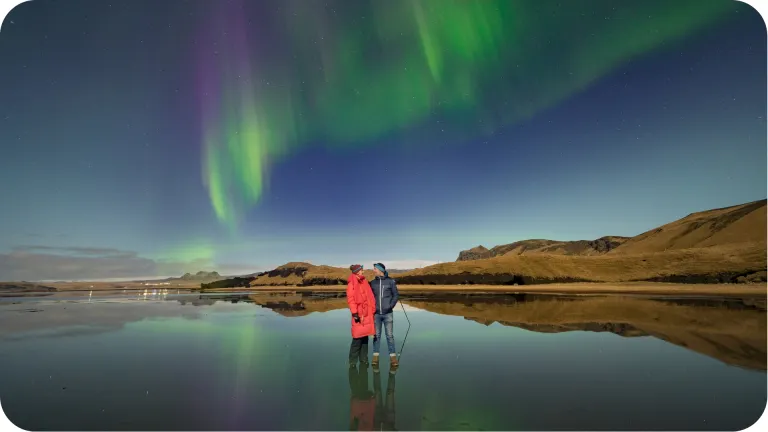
x: 730, y: 330
x: 543, y: 362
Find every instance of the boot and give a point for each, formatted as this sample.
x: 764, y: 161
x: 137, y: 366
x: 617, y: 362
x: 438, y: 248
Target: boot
x: 375, y: 362
x: 393, y: 361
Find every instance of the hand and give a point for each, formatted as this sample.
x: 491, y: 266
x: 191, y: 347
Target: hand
x: 356, y: 317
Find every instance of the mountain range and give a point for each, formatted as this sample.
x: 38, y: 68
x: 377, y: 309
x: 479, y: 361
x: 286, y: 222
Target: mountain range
x: 729, y: 225
x: 725, y: 245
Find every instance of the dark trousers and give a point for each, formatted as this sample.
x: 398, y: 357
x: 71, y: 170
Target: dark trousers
x: 358, y: 350
x: 358, y: 383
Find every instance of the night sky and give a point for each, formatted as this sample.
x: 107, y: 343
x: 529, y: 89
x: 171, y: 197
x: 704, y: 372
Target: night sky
x: 144, y: 138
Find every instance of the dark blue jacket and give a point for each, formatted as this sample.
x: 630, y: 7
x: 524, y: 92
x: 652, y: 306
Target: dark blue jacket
x: 385, y: 293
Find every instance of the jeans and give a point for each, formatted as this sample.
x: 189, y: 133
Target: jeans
x: 384, y: 418
x: 388, y: 320
x: 359, y: 350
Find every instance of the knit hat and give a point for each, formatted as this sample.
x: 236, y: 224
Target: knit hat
x: 355, y: 268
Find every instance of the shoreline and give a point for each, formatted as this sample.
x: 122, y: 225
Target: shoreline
x: 576, y: 288
x: 759, y: 290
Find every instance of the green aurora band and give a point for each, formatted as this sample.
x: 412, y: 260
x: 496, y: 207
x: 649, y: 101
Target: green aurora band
x: 413, y: 72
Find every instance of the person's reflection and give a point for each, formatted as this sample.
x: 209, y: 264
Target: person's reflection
x: 385, y: 407
x: 362, y: 405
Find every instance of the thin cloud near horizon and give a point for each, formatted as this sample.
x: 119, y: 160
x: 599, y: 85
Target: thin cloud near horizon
x: 48, y: 263
x: 41, y: 263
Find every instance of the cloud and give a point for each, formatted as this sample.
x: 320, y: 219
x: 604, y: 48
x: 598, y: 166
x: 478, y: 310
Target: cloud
x: 231, y: 269
x: 77, y: 251
x: 35, y: 263
x: 41, y: 263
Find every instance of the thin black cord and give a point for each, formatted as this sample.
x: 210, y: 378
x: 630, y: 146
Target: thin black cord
x: 406, y: 332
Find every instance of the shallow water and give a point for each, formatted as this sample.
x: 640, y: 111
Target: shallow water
x: 165, y: 362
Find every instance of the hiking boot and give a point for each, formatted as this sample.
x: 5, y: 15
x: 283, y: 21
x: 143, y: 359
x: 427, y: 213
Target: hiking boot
x: 375, y: 362
x: 393, y: 361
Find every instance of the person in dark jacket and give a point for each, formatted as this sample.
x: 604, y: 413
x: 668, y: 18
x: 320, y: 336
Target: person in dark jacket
x: 386, y: 295
x: 384, y: 417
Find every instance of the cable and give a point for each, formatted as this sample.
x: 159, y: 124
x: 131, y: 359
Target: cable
x: 406, y: 332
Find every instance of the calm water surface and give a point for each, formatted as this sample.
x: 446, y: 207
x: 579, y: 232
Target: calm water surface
x: 279, y: 362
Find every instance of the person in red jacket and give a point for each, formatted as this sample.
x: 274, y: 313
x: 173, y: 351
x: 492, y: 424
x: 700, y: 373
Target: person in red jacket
x: 362, y: 305
x: 362, y: 402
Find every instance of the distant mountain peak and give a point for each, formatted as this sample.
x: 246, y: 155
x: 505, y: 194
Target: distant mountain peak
x: 576, y: 247
x: 201, y: 275
x: 477, y: 252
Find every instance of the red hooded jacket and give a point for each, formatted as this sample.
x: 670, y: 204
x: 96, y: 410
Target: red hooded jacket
x: 360, y: 300
x: 361, y: 414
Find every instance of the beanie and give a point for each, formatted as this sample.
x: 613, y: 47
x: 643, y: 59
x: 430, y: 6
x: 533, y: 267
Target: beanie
x: 382, y: 269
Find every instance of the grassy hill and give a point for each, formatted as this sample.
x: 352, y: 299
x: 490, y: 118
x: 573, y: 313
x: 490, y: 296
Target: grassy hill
x: 543, y: 246
x: 714, y: 246
x: 735, y: 224
x: 744, y: 223
x: 305, y: 274
x: 717, y: 246
x: 714, y: 264
x: 717, y: 264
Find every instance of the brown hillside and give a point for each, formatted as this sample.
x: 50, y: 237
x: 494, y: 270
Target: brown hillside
x: 717, y: 246
x: 14, y: 288
x: 304, y: 274
x: 542, y: 246
x: 703, y: 265
x: 738, y: 224
x: 477, y: 252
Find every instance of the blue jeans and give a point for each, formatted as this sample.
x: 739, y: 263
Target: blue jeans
x: 388, y: 320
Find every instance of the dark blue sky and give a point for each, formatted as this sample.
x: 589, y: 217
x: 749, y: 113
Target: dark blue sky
x: 102, y: 150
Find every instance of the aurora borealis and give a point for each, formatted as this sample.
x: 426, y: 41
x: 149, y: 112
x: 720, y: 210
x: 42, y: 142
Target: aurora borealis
x: 399, y: 64
x: 238, y: 135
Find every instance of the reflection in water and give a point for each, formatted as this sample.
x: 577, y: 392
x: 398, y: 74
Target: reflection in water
x: 542, y: 363
x: 730, y: 330
x: 362, y: 403
x: 385, y: 406
x: 371, y: 410
x: 154, y: 294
